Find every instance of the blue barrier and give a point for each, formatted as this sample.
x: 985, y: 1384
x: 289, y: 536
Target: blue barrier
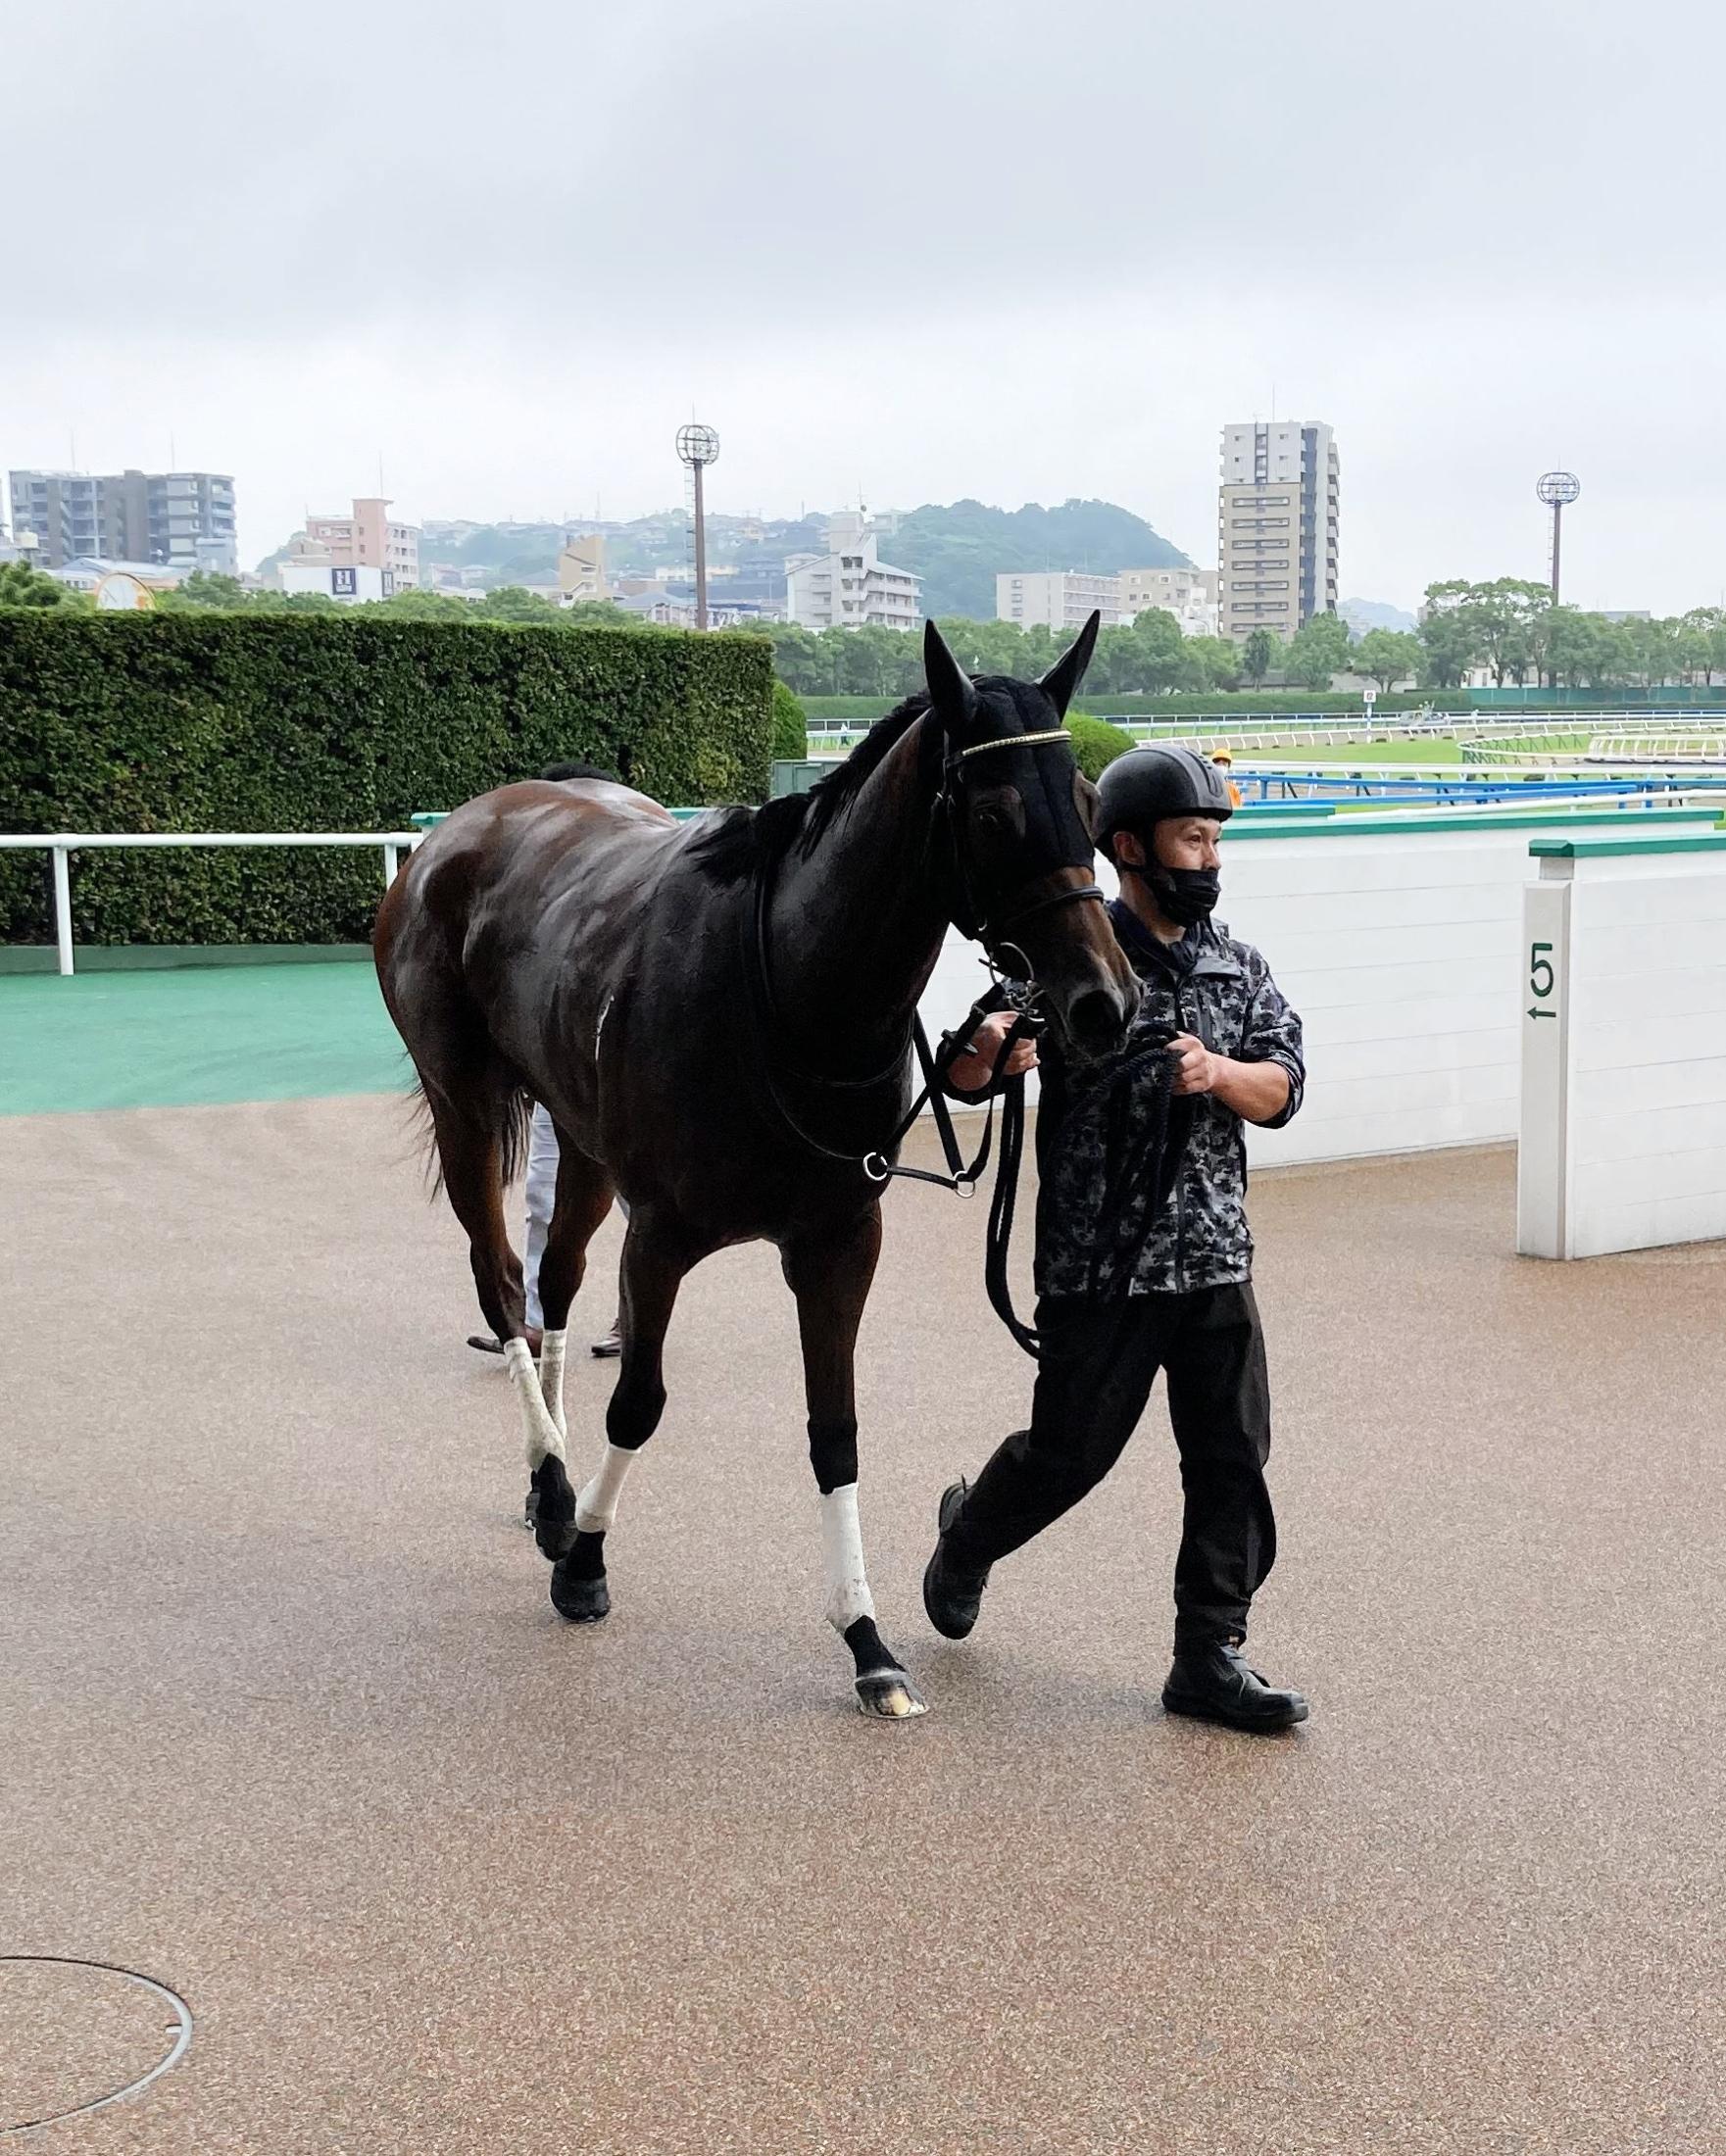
x: 1282, y: 788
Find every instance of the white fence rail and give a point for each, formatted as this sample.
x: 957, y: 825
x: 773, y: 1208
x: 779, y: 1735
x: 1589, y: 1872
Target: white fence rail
x: 62, y: 844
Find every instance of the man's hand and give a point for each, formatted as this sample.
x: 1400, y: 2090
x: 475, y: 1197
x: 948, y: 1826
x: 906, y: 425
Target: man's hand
x: 1195, y: 1070
x: 1256, y: 1092
x: 971, y: 1072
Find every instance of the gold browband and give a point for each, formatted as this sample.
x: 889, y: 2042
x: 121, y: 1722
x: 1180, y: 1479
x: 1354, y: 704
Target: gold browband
x: 1014, y: 741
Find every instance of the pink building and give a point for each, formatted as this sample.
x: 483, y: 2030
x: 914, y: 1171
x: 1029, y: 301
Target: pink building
x: 368, y: 539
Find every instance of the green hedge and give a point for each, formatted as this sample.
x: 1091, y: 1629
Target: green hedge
x: 1095, y: 744
x: 790, y: 727
x: 228, y: 722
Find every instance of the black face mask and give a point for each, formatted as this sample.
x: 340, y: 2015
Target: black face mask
x: 1184, y: 896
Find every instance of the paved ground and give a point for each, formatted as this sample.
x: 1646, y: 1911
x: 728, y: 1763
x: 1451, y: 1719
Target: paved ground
x: 291, y: 1726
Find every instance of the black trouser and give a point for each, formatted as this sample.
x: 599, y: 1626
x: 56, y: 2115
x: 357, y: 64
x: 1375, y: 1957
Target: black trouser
x: 1098, y: 1361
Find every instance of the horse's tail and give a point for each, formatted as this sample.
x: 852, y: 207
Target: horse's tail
x: 505, y: 1110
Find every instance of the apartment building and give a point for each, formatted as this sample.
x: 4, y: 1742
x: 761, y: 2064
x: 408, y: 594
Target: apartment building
x: 369, y: 539
x: 851, y: 587
x: 1056, y: 599
x: 1276, y: 526
x: 177, y: 520
x: 1189, y: 594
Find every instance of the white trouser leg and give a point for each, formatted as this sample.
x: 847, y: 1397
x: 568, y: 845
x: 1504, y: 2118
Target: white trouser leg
x: 539, y: 1424
x: 597, y: 1505
x: 842, y: 1555
x: 542, y: 1198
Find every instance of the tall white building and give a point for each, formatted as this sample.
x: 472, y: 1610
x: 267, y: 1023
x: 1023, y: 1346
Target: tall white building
x: 851, y: 587
x: 1056, y: 599
x: 1276, y: 526
x: 1189, y: 594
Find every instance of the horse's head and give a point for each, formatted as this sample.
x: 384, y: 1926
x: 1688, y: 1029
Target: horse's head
x: 1020, y: 814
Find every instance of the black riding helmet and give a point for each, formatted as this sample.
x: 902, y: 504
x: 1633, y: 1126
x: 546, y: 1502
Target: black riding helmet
x: 1145, y: 785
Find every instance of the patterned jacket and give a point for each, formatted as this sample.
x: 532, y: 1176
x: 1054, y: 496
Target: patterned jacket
x: 1088, y: 1133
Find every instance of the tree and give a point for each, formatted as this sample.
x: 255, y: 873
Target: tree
x: 1220, y: 658
x: 1318, y: 650
x: 23, y: 586
x: 512, y: 603
x: 1257, y: 655
x: 790, y: 727
x: 1387, y: 656
x: 1571, y: 646
x: 205, y: 588
x: 1707, y: 624
x: 1447, y: 635
x: 426, y: 606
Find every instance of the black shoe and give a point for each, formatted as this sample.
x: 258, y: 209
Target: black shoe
x: 951, y: 1598
x: 1211, y: 1680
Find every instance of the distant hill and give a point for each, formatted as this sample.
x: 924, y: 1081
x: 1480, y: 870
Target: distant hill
x: 1362, y: 614
x: 958, y: 550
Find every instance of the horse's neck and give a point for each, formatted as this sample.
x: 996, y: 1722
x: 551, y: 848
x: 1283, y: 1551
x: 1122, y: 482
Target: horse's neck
x: 857, y: 924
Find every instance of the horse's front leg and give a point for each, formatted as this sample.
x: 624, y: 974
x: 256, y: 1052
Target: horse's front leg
x: 830, y: 1278
x: 651, y: 1273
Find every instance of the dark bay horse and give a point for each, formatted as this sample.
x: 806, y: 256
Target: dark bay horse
x: 717, y: 1017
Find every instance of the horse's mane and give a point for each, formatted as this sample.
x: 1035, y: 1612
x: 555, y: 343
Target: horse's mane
x: 739, y: 841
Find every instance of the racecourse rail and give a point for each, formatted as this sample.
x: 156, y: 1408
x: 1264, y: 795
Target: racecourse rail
x: 62, y: 844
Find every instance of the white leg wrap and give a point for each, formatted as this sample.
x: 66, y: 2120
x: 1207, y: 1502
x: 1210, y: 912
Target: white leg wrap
x: 543, y: 1434
x: 551, y: 1377
x: 848, y: 1586
x: 597, y: 1505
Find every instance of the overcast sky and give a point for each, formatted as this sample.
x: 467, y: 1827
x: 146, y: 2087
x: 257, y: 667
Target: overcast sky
x: 975, y: 247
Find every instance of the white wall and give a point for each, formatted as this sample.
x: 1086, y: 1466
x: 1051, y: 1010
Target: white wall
x: 1623, y: 1143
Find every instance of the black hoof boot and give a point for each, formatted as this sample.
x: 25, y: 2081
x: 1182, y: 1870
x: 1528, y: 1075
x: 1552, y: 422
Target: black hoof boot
x: 578, y: 1582
x: 883, y: 1690
x: 530, y: 1509
x: 552, y: 1509
x: 953, y: 1599
x: 1212, y: 1681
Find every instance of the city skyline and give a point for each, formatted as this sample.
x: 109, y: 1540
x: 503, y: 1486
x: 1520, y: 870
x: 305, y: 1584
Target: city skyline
x: 1470, y: 294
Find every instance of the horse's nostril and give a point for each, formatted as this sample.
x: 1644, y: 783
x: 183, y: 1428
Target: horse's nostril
x: 1096, y: 1019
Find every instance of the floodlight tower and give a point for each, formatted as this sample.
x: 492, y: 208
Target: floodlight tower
x: 1555, y: 488
x: 698, y: 447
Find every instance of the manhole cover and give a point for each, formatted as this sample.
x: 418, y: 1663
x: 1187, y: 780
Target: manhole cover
x: 77, y: 2036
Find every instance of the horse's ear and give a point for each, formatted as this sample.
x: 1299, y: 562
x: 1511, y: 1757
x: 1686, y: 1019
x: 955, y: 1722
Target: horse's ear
x: 950, y: 687
x: 1068, y: 670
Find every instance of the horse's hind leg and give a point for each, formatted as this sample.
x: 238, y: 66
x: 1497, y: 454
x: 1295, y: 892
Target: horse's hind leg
x: 652, y: 1272
x: 471, y: 1148
x: 583, y: 1199
x: 830, y: 1280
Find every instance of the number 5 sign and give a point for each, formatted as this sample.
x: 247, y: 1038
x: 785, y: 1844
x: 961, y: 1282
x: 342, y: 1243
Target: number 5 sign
x: 1543, y: 1173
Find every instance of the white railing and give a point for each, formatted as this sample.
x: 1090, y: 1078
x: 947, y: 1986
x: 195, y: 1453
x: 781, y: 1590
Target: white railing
x: 62, y: 844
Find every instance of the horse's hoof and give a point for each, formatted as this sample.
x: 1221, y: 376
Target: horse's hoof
x: 551, y: 1504
x: 889, y: 1695
x: 530, y: 1510
x: 582, y: 1601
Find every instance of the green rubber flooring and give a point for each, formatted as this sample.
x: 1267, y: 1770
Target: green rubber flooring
x: 194, y: 1037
